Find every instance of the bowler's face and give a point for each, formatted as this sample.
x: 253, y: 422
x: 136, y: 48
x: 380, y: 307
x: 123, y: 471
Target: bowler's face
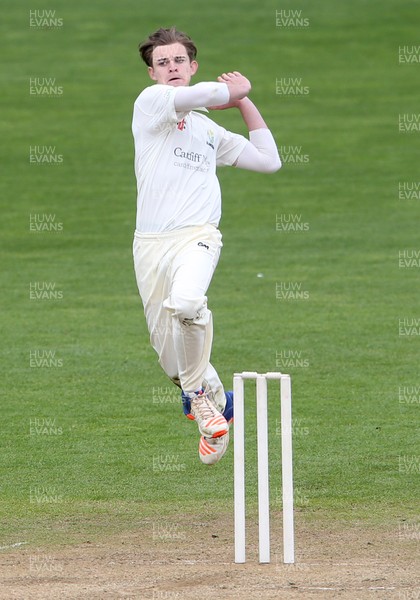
x: 171, y: 65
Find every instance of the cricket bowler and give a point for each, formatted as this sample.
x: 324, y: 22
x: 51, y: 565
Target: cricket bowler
x: 177, y: 242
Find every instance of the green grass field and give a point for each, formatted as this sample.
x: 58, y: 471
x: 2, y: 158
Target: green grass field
x: 112, y: 416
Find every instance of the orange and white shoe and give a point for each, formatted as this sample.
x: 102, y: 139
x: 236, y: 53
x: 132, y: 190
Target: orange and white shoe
x: 211, y: 450
x: 227, y: 410
x: 211, y: 423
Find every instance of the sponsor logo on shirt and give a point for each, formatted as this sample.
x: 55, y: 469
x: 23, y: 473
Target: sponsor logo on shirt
x: 192, y: 161
x: 192, y: 156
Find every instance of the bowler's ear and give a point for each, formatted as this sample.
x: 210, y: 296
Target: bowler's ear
x: 193, y: 67
x: 151, y: 72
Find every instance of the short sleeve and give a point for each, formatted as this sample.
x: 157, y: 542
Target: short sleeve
x: 230, y: 147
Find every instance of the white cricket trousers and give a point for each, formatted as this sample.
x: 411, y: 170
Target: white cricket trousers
x: 173, y: 271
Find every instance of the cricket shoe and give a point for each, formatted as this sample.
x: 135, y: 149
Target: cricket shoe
x: 210, y: 421
x: 227, y: 412
x: 211, y: 450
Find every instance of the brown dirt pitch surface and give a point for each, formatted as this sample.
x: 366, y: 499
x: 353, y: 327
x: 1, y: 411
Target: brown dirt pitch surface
x: 187, y: 559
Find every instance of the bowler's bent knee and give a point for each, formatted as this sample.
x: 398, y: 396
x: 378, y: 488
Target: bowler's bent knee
x: 188, y: 310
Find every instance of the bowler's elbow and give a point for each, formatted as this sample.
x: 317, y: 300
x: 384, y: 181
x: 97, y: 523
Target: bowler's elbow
x: 274, y: 165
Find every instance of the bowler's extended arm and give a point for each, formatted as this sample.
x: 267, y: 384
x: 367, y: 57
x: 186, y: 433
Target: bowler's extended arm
x: 261, y: 153
x: 210, y: 93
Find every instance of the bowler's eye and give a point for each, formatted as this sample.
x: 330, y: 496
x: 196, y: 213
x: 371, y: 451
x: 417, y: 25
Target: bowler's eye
x: 162, y: 62
x: 180, y: 59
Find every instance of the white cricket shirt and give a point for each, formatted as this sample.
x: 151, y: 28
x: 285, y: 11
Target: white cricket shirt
x: 176, y: 155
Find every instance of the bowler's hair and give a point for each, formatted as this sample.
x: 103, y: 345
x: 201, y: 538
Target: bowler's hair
x: 164, y: 37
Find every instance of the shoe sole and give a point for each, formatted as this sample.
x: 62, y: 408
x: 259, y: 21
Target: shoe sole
x: 208, y: 455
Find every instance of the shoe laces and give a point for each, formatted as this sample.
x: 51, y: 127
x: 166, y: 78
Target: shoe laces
x: 203, y: 406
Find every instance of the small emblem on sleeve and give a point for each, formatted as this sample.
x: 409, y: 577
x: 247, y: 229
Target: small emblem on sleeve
x: 210, y: 138
x: 181, y: 125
